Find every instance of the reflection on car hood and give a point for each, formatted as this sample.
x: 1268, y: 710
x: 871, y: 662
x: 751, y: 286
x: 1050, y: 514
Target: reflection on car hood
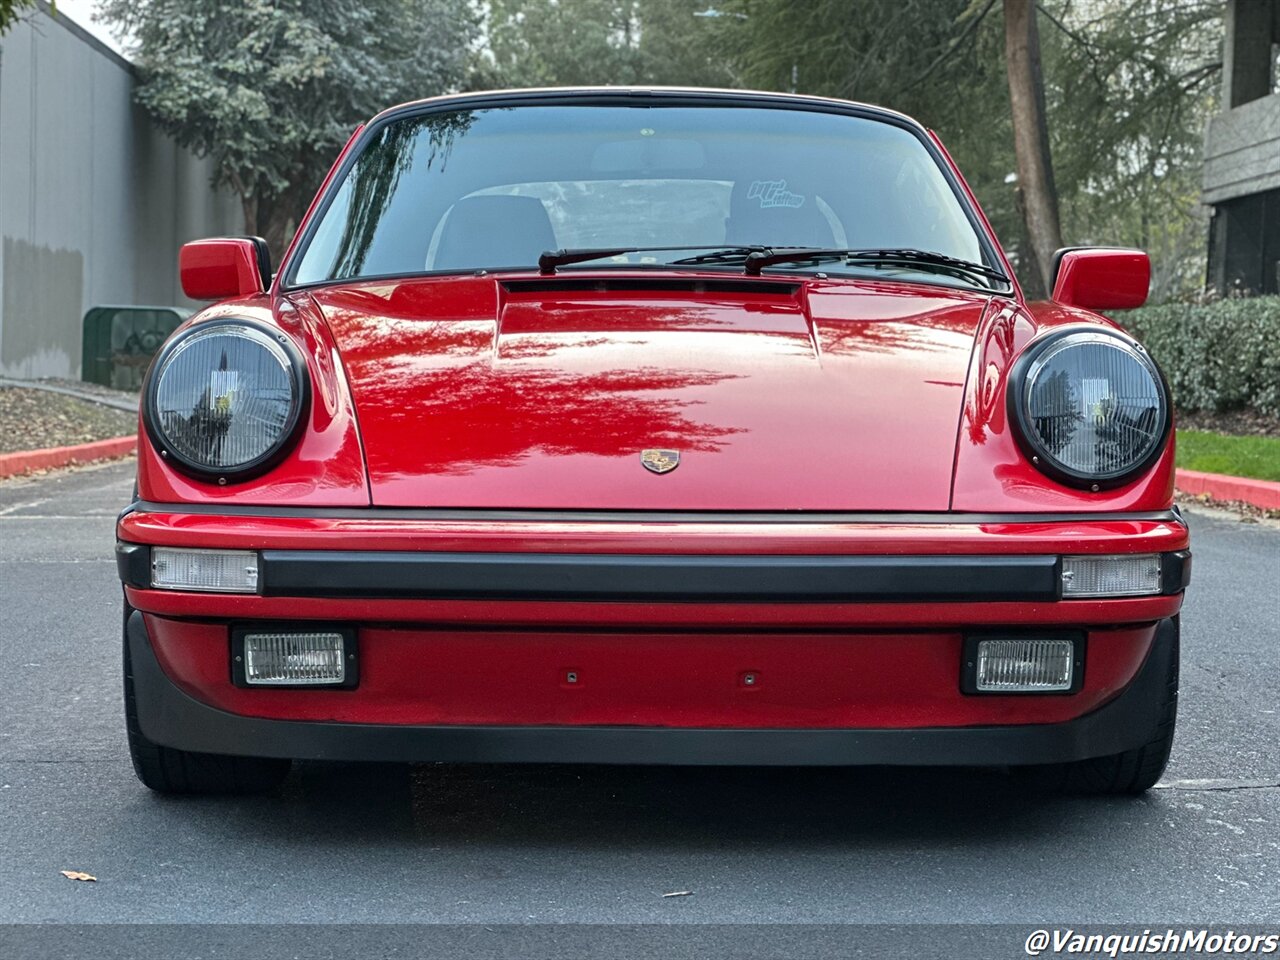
x: 773, y: 394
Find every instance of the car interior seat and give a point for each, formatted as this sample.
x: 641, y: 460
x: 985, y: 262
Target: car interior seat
x: 494, y: 231
x: 767, y: 212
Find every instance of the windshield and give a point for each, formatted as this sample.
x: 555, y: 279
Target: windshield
x: 494, y: 188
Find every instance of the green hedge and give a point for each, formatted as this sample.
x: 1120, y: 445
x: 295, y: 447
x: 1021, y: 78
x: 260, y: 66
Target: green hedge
x: 1218, y: 356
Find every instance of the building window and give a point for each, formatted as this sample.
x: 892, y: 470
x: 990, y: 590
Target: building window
x: 1244, y: 245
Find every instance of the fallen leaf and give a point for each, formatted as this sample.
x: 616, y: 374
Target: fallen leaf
x: 77, y: 875
x: 679, y: 893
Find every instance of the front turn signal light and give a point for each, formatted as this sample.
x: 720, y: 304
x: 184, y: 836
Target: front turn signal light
x: 1127, y: 575
x: 205, y: 571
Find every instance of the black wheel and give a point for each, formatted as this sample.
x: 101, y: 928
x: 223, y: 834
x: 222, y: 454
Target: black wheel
x: 1131, y: 772
x: 167, y: 770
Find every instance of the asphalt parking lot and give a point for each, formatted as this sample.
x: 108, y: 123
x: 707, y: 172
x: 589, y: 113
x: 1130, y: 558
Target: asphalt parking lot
x: 486, y: 845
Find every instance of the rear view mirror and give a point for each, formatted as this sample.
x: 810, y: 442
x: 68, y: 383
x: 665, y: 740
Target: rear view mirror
x: 1101, y: 278
x: 225, y: 267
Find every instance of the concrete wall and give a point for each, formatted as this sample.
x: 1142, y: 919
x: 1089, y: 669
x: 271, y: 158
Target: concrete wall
x: 94, y: 199
x: 1242, y: 143
x: 1242, y: 150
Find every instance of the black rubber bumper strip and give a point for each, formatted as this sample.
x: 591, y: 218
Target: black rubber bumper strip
x: 644, y: 578
x: 686, y: 578
x: 171, y: 718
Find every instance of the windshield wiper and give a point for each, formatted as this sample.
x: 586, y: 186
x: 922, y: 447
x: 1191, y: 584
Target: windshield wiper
x: 909, y: 257
x: 550, y: 259
x: 912, y: 256
x: 723, y: 255
x: 755, y: 257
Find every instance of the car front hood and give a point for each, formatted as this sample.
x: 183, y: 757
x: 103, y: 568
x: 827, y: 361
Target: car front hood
x: 545, y: 393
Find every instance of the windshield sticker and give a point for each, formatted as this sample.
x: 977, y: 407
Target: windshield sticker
x: 774, y: 193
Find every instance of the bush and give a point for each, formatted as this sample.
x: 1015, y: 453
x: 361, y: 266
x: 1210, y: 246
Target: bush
x: 1217, y: 356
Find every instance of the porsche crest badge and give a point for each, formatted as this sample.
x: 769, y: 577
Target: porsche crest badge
x: 660, y: 461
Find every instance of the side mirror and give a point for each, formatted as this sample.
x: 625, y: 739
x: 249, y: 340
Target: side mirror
x: 1101, y: 278
x: 223, y: 268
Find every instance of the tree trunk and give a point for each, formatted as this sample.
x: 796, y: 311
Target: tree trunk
x: 278, y: 218
x: 249, y: 206
x: 278, y: 231
x: 1038, y: 198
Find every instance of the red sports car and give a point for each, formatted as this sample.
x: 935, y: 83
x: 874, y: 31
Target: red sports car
x: 650, y: 426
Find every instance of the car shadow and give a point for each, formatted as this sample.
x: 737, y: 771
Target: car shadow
x: 633, y: 807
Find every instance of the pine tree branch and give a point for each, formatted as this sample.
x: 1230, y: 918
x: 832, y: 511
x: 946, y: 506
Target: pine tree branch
x: 969, y: 30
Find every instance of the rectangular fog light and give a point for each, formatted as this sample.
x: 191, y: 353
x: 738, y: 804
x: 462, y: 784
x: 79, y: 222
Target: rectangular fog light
x: 212, y: 571
x: 1024, y: 666
x: 1127, y: 575
x: 318, y: 658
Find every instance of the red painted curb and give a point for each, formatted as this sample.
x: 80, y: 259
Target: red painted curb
x: 1264, y: 494
x: 24, y: 461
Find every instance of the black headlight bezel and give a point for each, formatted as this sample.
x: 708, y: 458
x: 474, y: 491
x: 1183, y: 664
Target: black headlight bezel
x: 297, y: 365
x: 1024, y: 433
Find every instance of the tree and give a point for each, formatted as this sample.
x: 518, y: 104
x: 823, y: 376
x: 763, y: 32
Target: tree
x: 540, y: 43
x: 11, y: 11
x: 1038, y: 197
x: 1134, y: 82
x: 271, y: 89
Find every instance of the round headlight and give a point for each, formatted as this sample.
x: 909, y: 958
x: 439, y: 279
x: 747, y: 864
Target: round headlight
x: 225, y: 398
x: 1091, y: 407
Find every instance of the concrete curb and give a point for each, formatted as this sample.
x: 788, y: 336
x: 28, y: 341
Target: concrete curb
x: 1264, y: 494
x: 115, y: 403
x: 24, y: 461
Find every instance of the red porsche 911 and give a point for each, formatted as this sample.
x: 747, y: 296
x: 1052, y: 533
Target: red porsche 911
x: 651, y: 426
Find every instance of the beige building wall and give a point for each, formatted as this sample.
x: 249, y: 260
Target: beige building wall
x: 94, y: 199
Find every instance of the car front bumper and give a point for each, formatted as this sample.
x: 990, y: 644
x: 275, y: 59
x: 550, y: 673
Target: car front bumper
x: 643, y: 639
x: 171, y: 717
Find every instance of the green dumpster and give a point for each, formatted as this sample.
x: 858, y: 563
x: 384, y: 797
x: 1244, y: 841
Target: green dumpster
x: 119, y: 342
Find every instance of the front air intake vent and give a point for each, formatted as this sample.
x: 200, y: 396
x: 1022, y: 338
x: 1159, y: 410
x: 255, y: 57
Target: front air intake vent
x: 730, y: 285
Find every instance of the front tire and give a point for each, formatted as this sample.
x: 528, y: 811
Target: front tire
x: 1130, y: 772
x: 167, y: 770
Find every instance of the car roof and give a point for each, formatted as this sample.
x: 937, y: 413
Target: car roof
x: 620, y: 96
